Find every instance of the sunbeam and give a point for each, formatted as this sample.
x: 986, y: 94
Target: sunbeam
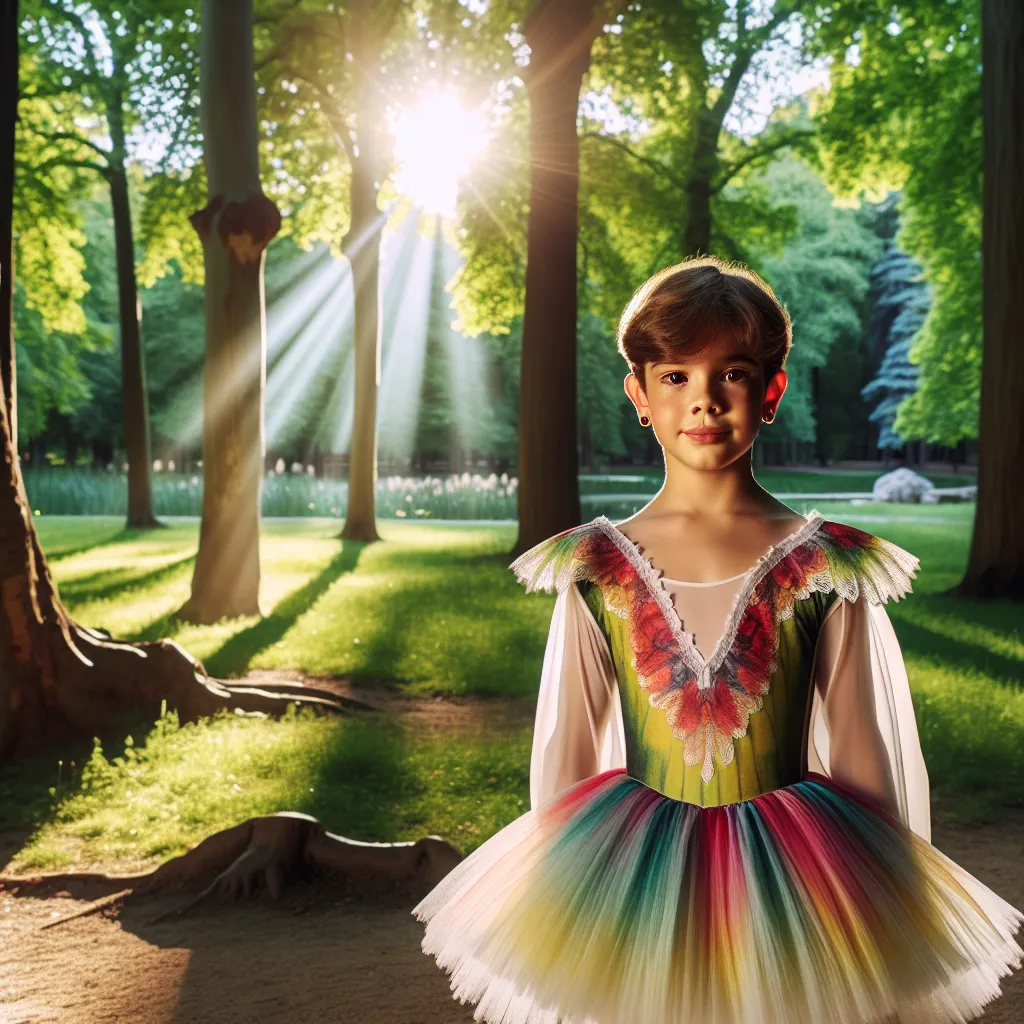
x: 436, y: 142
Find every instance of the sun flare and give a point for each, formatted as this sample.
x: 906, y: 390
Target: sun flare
x: 436, y: 142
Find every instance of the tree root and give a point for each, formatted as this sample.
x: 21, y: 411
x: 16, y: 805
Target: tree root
x: 258, y: 854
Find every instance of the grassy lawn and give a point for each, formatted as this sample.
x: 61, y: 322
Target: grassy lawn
x: 434, y: 609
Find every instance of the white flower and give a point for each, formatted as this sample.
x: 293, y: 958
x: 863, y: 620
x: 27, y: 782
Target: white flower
x: 279, y: 467
x: 157, y: 466
x: 297, y: 467
x: 311, y: 471
x: 170, y: 465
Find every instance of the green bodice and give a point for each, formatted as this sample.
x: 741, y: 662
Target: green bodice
x: 769, y: 754
x: 732, y: 726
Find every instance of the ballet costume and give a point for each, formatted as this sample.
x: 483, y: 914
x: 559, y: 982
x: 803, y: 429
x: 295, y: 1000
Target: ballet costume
x: 732, y: 833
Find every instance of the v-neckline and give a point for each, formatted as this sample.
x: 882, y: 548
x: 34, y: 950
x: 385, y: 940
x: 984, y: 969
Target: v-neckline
x: 706, y: 668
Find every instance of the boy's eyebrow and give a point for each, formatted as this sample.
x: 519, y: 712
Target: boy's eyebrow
x: 736, y: 357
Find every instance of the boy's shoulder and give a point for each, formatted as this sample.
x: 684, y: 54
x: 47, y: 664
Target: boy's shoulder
x: 857, y: 562
x: 823, y: 555
x: 568, y: 557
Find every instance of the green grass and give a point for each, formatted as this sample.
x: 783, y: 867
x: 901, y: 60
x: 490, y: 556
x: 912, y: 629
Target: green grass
x: 434, y: 606
x: 362, y: 778
x: 434, y: 609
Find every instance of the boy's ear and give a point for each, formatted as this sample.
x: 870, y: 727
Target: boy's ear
x: 637, y: 381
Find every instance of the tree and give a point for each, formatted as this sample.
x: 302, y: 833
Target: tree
x: 821, y: 274
x: 322, y: 66
x: 930, y: 100
x: 901, y: 305
x: 8, y: 120
x: 235, y: 227
x: 92, y: 61
x: 560, y: 35
x: 60, y: 680
x: 996, y: 563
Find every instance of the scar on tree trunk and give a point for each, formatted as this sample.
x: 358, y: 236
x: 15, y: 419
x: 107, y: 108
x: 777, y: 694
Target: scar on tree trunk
x: 259, y: 855
x: 235, y: 235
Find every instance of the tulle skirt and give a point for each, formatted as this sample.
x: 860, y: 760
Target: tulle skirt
x: 612, y: 903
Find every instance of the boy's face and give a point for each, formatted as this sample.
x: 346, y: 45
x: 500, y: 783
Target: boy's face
x: 721, y: 390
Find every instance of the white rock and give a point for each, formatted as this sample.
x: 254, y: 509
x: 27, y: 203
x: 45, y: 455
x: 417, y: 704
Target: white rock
x: 903, y: 485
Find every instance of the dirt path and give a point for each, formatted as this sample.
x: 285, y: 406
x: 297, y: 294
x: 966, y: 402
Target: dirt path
x: 319, y: 954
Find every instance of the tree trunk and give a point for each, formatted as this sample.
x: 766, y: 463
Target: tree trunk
x: 996, y: 564
x: 8, y: 116
x: 560, y: 34
x: 361, y: 247
x: 697, y: 235
x: 235, y: 226
x: 60, y: 681
x: 133, y: 364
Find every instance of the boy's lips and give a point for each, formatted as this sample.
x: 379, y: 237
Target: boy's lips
x: 706, y: 431
x: 706, y: 435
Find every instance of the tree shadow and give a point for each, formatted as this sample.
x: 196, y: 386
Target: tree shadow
x: 958, y: 654
x: 60, y: 554
x: 234, y: 656
x: 107, y: 583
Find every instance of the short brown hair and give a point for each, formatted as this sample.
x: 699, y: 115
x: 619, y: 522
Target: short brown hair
x: 683, y: 308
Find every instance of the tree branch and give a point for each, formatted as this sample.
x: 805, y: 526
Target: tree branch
x: 61, y: 161
x: 62, y: 12
x: 274, y: 17
x: 748, y: 44
x: 69, y: 137
x: 759, y: 150
x: 661, y: 169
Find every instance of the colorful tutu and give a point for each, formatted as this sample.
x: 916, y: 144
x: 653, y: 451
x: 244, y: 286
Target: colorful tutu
x: 612, y: 903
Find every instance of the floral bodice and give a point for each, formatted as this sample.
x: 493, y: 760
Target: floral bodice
x: 733, y: 725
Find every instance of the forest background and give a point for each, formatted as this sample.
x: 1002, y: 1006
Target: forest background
x: 858, y: 199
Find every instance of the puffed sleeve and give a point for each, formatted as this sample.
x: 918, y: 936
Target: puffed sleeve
x: 578, y: 730
x: 863, y: 728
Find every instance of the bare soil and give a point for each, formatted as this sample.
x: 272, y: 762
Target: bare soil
x: 320, y: 954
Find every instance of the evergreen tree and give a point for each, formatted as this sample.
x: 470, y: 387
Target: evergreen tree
x: 902, y: 301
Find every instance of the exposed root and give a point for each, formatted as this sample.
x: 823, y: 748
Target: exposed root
x: 258, y: 854
x: 93, y: 907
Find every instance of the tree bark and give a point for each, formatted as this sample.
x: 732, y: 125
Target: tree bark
x: 8, y: 116
x: 697, y: 234
x: 361, y: 247
x: 133, y: 363
x: 560, y: 34
x: 235, y: 226
x: 996, y: 563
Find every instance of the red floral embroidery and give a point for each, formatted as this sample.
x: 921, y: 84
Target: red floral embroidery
x: 709, y: 704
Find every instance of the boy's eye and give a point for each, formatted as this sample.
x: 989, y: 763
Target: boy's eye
x: 678, y: 377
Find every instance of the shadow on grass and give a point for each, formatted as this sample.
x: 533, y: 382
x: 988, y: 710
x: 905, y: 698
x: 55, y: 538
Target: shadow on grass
x: 106, y: 583
x: 235, y: 655
x: 59, y: 554
x: 958, y: 654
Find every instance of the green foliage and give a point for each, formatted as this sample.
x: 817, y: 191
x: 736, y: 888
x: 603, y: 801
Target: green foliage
x: 904, y: 112
x: 821, y: 276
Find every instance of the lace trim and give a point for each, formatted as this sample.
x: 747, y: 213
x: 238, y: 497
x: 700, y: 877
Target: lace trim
x: 842, y: 558
x: 704, y: 670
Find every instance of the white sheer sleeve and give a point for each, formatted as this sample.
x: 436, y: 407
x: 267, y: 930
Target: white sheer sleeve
x: 579, y: 730
x: 863, y: 730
